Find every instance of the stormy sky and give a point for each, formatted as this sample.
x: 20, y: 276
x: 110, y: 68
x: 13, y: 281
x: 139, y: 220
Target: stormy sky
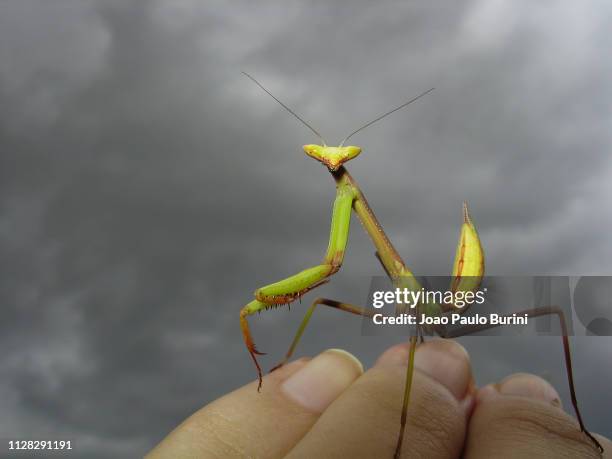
x: 147, y: 188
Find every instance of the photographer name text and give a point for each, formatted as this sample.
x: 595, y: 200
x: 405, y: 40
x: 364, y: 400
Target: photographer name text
x: 452, y: 319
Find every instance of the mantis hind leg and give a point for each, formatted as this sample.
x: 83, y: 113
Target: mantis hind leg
x: 406, y: 397
x: 537, y: 312
x: 358, y: 310
x: 293, y: 287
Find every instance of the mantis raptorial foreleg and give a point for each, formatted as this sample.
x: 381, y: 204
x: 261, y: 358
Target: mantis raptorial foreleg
x: 287, y: 290
x: 358, y: 310
x: 347, y: 307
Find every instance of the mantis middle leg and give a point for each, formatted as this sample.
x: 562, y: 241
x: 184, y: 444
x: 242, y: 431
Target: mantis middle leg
x: 358, y: 310
x: 291, y: 288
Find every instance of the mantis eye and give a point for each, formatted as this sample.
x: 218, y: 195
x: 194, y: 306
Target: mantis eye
x: 311, y: 150
x: 352, y: 152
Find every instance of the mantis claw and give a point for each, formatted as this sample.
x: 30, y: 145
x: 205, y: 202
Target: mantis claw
x: 251, y: 308
x: 594, y: 441
x: 256, y: 352
x: 277, y: 366
x: 259, y: 373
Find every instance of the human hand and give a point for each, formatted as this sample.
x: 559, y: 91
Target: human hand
x: 328, y: 407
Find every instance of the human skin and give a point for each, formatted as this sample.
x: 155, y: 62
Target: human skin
x: 328, y: 406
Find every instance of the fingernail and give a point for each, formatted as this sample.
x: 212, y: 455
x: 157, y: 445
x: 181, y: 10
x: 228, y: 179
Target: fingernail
x: 486, y: 393
x: 443, y: 360
x: 530, y: 386
x: 323, y: 379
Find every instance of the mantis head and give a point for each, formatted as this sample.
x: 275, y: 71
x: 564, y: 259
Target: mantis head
x: 332, y: 157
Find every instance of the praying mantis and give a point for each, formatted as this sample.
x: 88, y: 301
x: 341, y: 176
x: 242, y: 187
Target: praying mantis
x: 467, y: 272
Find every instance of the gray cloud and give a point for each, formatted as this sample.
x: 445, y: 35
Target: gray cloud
x: 147, y: 188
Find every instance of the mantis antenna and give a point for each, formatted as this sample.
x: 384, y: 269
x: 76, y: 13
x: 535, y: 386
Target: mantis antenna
x: 385, y: 114
x: 287, y: 108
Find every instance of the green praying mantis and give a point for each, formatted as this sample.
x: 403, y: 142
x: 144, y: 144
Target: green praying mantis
x: 468, y: 268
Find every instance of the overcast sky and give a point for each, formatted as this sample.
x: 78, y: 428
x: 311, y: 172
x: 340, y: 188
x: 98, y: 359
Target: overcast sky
x: 147, y: 188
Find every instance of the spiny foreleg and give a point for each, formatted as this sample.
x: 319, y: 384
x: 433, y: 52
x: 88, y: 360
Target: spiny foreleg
x: 292, y: 288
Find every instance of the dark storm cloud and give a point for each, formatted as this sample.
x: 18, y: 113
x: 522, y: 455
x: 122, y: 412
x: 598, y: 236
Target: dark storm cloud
x: 147, y: 188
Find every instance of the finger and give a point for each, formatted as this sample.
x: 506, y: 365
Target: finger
x: 522, y: 417
x: 247, y: 423
x: 365, y: 420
